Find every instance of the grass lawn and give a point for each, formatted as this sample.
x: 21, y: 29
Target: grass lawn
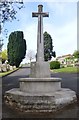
x: 5, y: 73
x: 67, y: 69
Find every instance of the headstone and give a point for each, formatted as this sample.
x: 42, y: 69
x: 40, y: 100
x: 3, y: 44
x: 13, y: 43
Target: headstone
x: 4, y: 67
x: 8, y: 67
x: 14, y: 67
x: 11, y: 67
x: 77, y: 64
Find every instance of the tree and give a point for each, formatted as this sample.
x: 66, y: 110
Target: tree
x: 4, y: 55
x: 16, y: 48
x: 30, y: 55
x: 8, y: 10
x: 76, y: 54
x: 48, y: 47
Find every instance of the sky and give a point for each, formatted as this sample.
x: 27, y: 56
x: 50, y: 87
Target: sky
x: 61, y: 25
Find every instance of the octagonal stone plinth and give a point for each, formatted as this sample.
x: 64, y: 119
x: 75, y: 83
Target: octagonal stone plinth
x: 40, y: 95
x: 39, y: 102
x: 40, y: 85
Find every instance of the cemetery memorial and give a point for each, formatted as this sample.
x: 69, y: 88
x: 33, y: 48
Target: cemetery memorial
x: 6, y: 67
x: 40, y: 92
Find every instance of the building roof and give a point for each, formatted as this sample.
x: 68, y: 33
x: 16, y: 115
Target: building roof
x: 64, y: 56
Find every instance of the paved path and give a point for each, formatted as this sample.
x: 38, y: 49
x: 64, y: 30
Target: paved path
x: 12, y: 80
x: 69, y: 80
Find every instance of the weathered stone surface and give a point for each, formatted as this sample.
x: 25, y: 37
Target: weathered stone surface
x: 40, y: 70
x: 40, y: 42
x: 44, y: 85
x: 39, y: 102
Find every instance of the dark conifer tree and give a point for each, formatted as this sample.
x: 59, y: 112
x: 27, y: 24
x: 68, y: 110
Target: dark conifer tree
x: 16, y: 48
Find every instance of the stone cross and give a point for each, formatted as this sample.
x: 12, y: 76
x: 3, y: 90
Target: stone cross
x: 40, y: 42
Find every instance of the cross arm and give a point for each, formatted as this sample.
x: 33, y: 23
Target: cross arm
x: 35, y: 14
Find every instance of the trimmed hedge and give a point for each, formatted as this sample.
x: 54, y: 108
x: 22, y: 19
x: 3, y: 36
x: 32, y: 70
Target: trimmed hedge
x: 54, y: 65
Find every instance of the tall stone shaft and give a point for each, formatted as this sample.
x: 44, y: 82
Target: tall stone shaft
x: 40, y: 42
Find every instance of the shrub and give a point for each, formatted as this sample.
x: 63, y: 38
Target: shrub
x: 54, y: 65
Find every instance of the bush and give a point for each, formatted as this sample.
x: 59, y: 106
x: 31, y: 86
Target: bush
x: 54, y: 65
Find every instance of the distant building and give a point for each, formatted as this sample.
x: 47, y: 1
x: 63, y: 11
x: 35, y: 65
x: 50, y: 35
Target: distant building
x: 64, y: 59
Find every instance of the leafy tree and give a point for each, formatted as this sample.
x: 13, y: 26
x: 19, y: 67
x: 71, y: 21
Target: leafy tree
x: 8, y: 10
x: 4, y: 55
x: 48, y: 47
x: 76, y: 54
x: 16, y: 48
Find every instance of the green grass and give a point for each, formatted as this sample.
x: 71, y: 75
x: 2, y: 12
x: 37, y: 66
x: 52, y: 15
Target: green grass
x: 67, y: 70
x: 5, y: 73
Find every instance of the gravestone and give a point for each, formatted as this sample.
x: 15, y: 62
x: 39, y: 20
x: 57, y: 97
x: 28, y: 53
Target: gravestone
x: 14, y: 67
x: 40, y: 93
x: 11, y: 67
x: 4, y: 68
x: 8, y: 67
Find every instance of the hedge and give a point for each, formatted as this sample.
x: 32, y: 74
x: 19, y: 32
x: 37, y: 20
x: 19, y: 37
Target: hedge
x: 54, y: 65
